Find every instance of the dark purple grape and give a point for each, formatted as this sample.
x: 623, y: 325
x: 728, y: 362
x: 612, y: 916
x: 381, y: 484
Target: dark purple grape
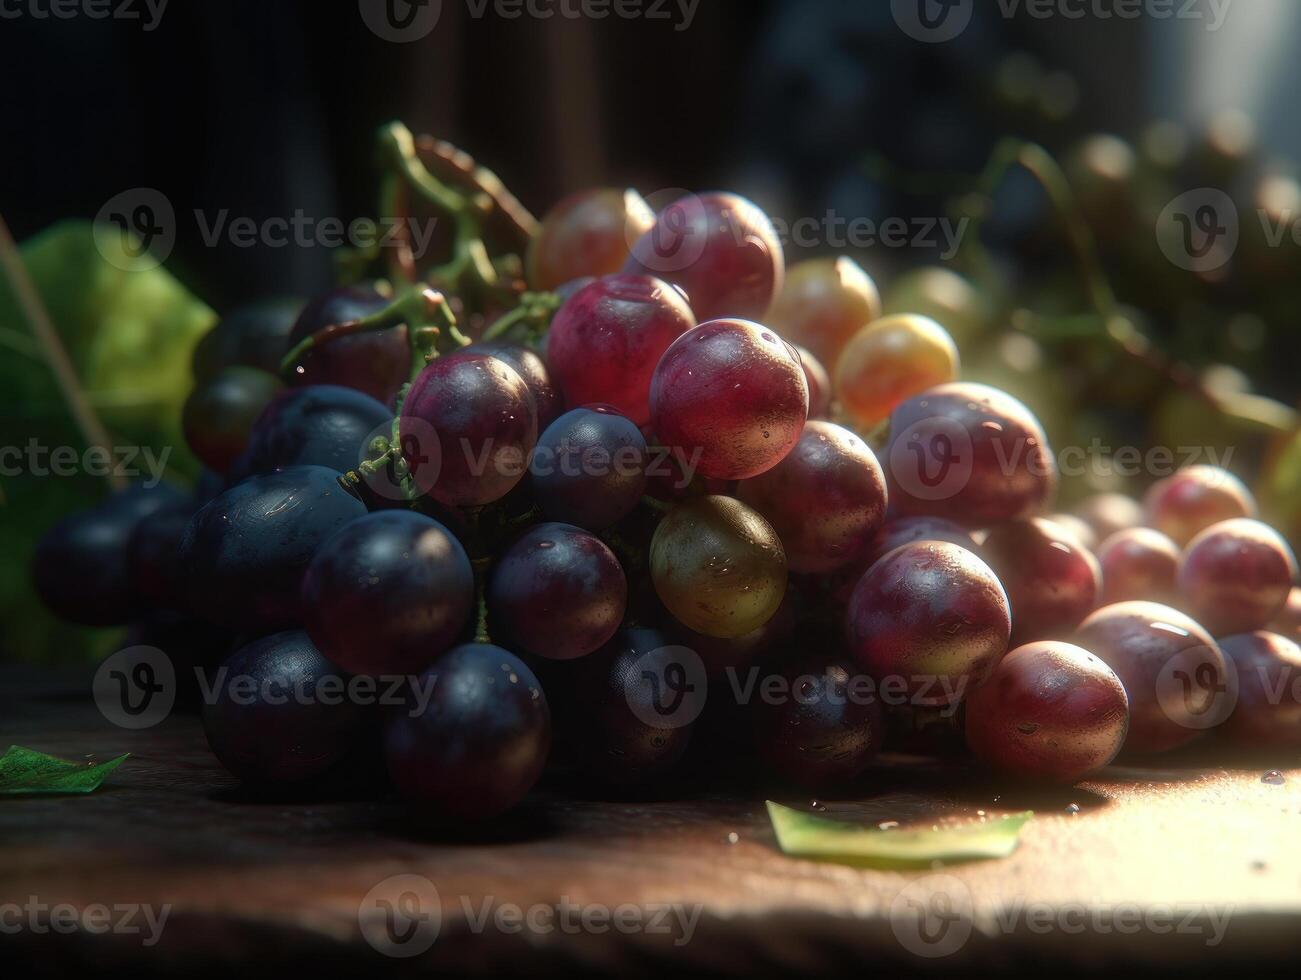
x: 321, y: 425
x: 1049, y: 711
x: 558, y: 592
x: 154, y: 559
x: 1172, y: 669
x: 220, y: 414
x: 280, y: 712
x: 619, y: 700
x: 478, y: 745
x: 821, y: 727
x: 720, y: 249
x: 246, y: 552
x: 256, y: 336
x: 1051, y: 580
x: 80, y: 566
x: 387, y: 593
x: 376, y: 362
x: 605, y: 341
x: 930, y: 617
x: 825, y: 499
x: 819, y: 382
x: 468, y: 426
x: 1268, y: 710
x: 528, y: 364
x: 1236, y: 575
x: 969, y: 453
x: 589, y: 468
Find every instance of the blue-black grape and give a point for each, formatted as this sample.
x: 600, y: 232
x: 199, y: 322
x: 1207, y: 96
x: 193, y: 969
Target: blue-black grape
x: 80, y: 567
x: 321, y: 425
x: 256, y: 336
x: 279, y: 712
x: 387, y: 593
x: 220, y: 414
x: 478, y: 745
x: 589, y: 468
x: 246, y: 551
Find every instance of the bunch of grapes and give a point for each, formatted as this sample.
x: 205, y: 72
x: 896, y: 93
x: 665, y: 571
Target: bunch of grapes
x: 661, y: 498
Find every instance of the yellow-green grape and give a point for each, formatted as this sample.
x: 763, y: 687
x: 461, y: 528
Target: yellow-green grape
x: 889, y: 362
x: 943, y: 295
x: 718, y: 566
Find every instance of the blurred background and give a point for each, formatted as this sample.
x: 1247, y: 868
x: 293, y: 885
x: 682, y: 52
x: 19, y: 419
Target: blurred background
x: 818, y: 109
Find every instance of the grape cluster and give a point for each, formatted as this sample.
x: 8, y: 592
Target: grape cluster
x: 677, y: 466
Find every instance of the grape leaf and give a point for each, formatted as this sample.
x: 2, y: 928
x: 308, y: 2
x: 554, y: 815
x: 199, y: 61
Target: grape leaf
x: 25, y: 772
x: 130, y: 336
x: 801, y: 834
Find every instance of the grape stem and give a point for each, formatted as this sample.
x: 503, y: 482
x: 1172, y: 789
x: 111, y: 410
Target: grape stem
x: 534, y: 310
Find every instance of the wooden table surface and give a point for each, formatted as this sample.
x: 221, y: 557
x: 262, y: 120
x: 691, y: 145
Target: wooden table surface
x: 1185, y: 868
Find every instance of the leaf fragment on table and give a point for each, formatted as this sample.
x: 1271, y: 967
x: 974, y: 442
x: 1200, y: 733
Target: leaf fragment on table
x: 26, y: 771
x: 801, y: 834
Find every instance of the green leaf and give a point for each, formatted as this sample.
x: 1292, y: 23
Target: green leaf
x: 130, y: 336
x: 23, y: 771
x: 801, y: 834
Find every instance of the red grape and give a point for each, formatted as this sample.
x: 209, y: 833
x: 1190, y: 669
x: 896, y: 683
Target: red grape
x: 587, y: 234
x: 378, y: 362
x: 468, y: 426
x: 1078, y: 528
x: 823, y: 304
x: 1049, y: 711
x: 825, y: 499
x: 528, y: 364
x: 1236, y: 576
x: 731, y: 397
x: 819, y: 383
x: 890, y: 361
x: 1288, y: 622
x: 720, y: 249
x: 969, y: 453
x: 1184, y: 505
x: 1052, y: 581
x: 605, y: 341
x: 1268, y: 711
x: 558, y: 592
x: 1108, y: 513
x: 1173, y: 671
x: 931, y: 614
x: 819, y: 729
x: 907, y: 530
x: 1139, y: 563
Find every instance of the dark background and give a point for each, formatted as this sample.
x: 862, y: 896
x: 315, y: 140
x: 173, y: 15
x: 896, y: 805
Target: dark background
x: 265, y: 106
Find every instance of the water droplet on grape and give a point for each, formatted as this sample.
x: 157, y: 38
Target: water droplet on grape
x: 1273, y: 778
